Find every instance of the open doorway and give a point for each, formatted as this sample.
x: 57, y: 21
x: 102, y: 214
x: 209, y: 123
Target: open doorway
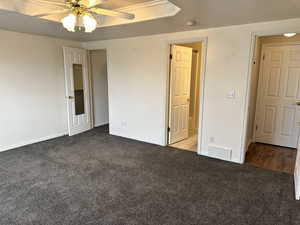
x: 184, y: 95
x: 274, y: 111
x: 99, y: 84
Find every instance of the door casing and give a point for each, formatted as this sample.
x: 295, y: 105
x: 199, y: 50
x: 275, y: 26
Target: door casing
x: 181, y: 101
x: 297, y: 174
x: 68, y: 63
x: 254, y: 36
x: 260, y: 83
x: 204, y: 41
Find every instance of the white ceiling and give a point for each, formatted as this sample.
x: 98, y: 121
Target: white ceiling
x: 208, y: 13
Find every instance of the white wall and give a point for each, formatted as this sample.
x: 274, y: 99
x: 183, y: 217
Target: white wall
x: 99, y: 78
x: 32, y: 88
x: 137, y: 76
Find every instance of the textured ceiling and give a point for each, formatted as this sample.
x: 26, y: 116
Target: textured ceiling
x: 208, y: 13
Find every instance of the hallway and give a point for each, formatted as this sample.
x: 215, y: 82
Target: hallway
x: 189, y: 144
x: 271, y: 157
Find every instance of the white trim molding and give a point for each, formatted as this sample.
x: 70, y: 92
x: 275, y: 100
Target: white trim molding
x: 101, y: 124
x: 144, y: 5
x: 143, y: 12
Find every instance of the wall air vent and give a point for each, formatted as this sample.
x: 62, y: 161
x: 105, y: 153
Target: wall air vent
x: 219, y: 152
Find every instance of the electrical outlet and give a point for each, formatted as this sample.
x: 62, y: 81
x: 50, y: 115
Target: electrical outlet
x: 123, y: 124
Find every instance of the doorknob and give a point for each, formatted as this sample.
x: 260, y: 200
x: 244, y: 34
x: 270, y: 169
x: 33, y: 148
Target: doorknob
x: 70, y: 97
x: 298, y: 103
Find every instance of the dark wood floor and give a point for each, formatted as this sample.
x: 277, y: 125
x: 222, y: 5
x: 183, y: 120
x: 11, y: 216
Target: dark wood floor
x: 272, y: 157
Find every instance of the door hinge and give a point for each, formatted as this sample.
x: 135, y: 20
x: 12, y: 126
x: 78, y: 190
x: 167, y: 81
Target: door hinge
x: 171, y: 56
x: 169, y: 129
x: 256, y: 127
x: 264, y: 57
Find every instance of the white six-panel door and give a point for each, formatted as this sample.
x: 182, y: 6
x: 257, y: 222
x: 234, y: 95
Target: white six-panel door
x: 77, y: 90
x: 277, y: 113
x: 180, y: 79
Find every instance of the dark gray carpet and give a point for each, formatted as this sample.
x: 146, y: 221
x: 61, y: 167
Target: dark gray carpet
x: 94, y: 178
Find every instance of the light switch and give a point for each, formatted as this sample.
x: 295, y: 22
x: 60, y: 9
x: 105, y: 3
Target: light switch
x: 231, y: 94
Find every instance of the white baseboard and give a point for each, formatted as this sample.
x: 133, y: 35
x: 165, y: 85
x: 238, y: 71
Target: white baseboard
x: 9, y: 147
x: 118, y: 134
x: 233, y: 160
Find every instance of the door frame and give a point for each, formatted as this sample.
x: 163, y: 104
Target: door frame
x: 89, y: 62
x: 246, y: 112
x: 203, y: 67
x: 184, y: 133
x: 66, y: 48
x: 259, y: 87
x: 91, y: 82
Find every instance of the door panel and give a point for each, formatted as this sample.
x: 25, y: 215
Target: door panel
x: 288, y: 119
x: 180, y: 79
x: 77, y: 90
x: 269, y: 120
x: 292, y: 87
x: 277, y: 114
x: 273, y: 82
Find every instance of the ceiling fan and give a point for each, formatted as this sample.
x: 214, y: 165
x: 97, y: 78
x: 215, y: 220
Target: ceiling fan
x: 81, y: 13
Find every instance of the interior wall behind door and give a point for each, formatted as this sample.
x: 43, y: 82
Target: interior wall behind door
x: 98, y: 62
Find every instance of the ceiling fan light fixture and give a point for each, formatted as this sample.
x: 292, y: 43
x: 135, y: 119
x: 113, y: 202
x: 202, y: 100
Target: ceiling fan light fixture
x: 89, y: 23
x: 69, y: 22
x: 81, y: 13
x: 290, y: 34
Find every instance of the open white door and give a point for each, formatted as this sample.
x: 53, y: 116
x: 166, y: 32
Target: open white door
x: 278, y: 113
x: 180, y: 79
x: 297, y: 173
x: 77, y: 90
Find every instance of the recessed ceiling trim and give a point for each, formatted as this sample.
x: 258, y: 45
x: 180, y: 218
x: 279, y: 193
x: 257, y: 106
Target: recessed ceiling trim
x: 143, y: 5
x: 143, y: 11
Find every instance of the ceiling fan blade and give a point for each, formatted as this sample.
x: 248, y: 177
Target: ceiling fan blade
x: 96, y: 5
x: 92, y: 3
x: 108, y: 12
x: 52, y: 13
x: 62, y: 4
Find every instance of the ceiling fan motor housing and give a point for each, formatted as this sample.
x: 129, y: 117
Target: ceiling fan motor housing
x: 77, y: 8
